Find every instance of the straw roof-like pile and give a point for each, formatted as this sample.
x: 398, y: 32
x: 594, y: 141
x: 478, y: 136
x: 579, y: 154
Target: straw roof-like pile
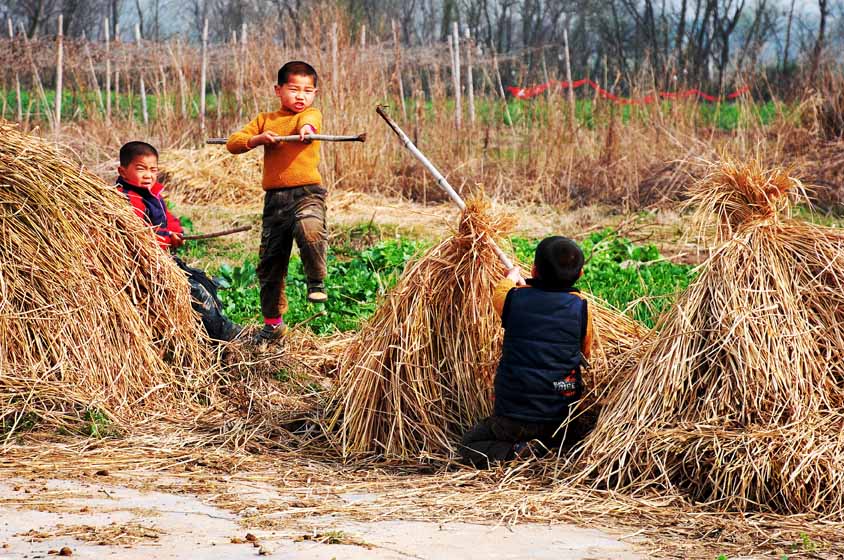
x: 214, y: 176
x: 93, y: 314
x: 738, y: 400
x: 421, y: 371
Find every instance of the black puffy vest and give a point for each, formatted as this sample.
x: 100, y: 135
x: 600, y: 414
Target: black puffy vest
x: 538, y: 376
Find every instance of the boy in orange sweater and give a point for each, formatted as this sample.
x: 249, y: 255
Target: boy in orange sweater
x: 294, y: 200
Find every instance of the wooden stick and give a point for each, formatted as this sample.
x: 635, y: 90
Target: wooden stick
x: 295, y: 138
x: 443, y: 183
x: 470, y: 86
x: 572, y: 115
x: 216, y: 233
x: 57, y: 126
x: 397, y: 46
x: 107, y: 33
x: 202, y: 76
x: 241, y: 63
x: 17, y: 76
x: 141, y: 74
x: 455, y: 73
x: 45, y: 106
x: 93, y: 71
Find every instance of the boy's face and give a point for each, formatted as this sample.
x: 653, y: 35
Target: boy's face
x: 141, y: 171
x: 297, y: 94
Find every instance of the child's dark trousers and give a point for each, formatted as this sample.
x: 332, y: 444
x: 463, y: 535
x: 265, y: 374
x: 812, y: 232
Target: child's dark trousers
x: 290, y: 213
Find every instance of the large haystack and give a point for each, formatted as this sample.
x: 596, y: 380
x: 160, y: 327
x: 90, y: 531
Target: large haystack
x: 421, y: 371
x: 94, y: 317
x: 738, y: 400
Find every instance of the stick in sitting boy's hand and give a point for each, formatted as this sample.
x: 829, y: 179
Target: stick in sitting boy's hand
x: 515, y: 274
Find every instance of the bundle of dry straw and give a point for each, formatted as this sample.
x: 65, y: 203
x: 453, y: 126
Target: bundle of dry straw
x: 738, y: 400
x: 421, y: 371
x: 212, y: 175
x: 93, y: 314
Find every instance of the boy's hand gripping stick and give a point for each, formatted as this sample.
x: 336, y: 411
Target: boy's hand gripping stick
x: 441, y: 181
x: 309, y: 137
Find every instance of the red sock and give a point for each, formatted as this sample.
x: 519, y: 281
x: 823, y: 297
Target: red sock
x: 273, y: 322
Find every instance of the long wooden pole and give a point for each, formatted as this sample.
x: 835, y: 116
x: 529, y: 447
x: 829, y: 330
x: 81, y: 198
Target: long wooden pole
x: 107, y: 33
x: 17, y: 76
x: 57, y: 123
x: 572, y: 115
x: 441, y: 181
x: 93, y: 71
x: 470, y: 85
x: 397, y: 46
x: 203, y: 75
x: 308, y: 138
x: 141, y: 74
x: 45, y: 105
x: 240, y: 72
x: 458, y: 105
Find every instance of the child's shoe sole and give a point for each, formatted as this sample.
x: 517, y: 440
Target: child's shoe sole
x: 317, y: 297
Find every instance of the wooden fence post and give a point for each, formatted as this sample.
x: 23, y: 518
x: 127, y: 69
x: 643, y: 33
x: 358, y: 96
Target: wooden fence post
x: 141, y: 74
x: 57, y: 124
x: 17, y: 76
x: 241, y: 72
x: 202, y: 76
x: 458, y: 104
x: 470, y: 86
x: 397, y: 45
x: 107, y: 33
x: 572, y: 115
x: 93, y: 72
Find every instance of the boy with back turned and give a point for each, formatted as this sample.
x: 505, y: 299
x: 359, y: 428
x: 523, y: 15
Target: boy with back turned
x: 294, y: 200
x: 547, y: 335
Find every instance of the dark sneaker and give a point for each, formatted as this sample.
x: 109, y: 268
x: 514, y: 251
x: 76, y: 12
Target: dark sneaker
x: 316, y: 294
x: 270, y: 333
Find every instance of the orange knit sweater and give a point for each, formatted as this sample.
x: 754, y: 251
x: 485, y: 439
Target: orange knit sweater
x: 286, y: 164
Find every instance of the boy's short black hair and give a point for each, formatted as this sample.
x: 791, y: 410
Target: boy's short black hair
x: 131, y: 150
x: 296, y: 68
x: 558, y: 261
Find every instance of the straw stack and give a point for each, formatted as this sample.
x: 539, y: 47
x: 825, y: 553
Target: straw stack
x: 214, y: 176
x: 421, y: 371
x: 738, y: 400
x: 93, y: 314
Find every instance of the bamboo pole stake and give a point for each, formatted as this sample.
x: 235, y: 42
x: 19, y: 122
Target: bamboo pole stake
x: 441, y: 180
x: 17, y: 76
x: 458, y: 105
x: 572, y: 112
x: 177, y: 62
x: 45, y: 105
x: 335, y: 68
x: 107, y: 33
x: 240, y: 72
x: 57, y: 126
x: 501, y: 91
x: 470, y: 85
x: 397, y: 45
x: 90, y: 59
x: 363, y: 37
x: 141, y: 74
x: 203, y: 76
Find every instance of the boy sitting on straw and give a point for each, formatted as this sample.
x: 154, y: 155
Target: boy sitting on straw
x: 547, y: 334
x: 137, y: 180
x: 294, y: 201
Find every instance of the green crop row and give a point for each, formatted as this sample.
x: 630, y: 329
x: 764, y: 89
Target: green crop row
x: 630, y: 277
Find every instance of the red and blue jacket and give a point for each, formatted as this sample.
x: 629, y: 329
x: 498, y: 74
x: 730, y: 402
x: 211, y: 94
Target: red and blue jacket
x: 149, y: 205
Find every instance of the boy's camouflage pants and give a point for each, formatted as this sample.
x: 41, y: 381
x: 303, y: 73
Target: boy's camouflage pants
x: 290, y: 213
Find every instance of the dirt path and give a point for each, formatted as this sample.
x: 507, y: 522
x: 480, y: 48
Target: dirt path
x: 96, y: 520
